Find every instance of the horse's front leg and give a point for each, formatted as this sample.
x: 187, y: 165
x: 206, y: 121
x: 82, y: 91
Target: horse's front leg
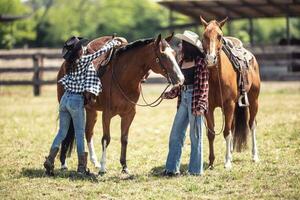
x: 91, y: 119
x: 106, y: 118
x: 211, y: 136
x: 126, y: 121
x: 229, y: 116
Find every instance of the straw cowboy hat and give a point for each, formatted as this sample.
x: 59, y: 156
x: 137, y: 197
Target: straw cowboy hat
x: 191, y: 38
x: 71, y: 47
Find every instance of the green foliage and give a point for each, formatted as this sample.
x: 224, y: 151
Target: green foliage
x: 56, y: 20
x: 17, y: 33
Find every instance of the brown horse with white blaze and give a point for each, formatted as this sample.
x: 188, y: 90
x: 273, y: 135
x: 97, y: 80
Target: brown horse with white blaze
x: 224, y: 93
x: 121, y: 88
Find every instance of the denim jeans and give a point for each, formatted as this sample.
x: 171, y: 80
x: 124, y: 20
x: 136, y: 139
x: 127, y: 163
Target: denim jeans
x: 71, y: 107
x: 184, y: 117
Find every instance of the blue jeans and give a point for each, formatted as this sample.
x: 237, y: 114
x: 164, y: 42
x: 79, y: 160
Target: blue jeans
x: 71, y: 107
x: 184, y: 117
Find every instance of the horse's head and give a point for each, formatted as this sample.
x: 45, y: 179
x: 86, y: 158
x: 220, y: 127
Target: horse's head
x: 212, y: 40
x: 165, y: 62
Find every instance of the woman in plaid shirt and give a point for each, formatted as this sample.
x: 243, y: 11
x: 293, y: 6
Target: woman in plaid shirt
x: 81, y: 77
x: 192, y: 105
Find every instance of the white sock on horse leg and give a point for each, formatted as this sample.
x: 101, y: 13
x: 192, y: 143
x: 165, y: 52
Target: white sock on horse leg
x: 103, y: 158
x: 228, y: 156
x: 64, y: 166
x: 93, y: 157
x: 255, y: 157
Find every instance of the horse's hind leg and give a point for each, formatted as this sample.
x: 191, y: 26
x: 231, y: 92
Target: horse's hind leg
x: 91, y: 119
x: 252, y: 124
x: 106, y: 118
x: 229, y: 113
x: 125, y: 124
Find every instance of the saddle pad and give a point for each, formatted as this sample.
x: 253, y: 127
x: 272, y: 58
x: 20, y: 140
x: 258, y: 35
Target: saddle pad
x: 237, y: 54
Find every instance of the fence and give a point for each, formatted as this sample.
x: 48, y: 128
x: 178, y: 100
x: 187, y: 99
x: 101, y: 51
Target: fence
x: 276, y: 62
x: 38, y: 69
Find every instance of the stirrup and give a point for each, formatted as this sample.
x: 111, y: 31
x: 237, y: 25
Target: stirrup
x: 245, y: 97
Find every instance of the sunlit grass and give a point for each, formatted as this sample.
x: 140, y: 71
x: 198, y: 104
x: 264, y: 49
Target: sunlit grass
x: 28, y: 125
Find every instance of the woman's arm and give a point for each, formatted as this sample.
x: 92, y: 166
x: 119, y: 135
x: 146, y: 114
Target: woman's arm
x: 86, y: 59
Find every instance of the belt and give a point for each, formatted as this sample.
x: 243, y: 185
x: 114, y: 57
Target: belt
x: 78, y: 93
x: 187, y: 87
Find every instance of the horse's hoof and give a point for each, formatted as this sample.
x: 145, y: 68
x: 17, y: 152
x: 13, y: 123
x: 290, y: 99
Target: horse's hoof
x: 125, y: 171
x: 102, y: 172
x: 211, y: 167
x: 255, y: 159
x: 97, y: 165
x: 64, y: 167
x: 228, y: 165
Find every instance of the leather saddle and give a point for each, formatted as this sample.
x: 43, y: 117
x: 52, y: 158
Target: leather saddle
x: 240, y: 59
x: 102, y: 61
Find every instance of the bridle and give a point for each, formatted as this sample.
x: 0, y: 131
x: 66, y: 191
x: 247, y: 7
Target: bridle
x: 158, y: 100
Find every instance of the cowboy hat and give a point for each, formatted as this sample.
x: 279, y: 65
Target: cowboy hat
x: 71, y: 46
x: 190, y: 37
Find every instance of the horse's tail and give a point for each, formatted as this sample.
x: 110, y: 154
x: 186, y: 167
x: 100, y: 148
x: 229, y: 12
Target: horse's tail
x: 241, y: 128
x: 67, y: 144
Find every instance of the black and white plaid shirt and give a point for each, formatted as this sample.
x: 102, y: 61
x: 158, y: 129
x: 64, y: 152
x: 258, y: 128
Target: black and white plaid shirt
x: 84, y: 77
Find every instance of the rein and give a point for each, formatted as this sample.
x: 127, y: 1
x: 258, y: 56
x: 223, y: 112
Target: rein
x: 152, y: 104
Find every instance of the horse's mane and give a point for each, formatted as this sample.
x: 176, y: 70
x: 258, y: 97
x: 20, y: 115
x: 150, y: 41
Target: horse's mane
x: 134, y: 44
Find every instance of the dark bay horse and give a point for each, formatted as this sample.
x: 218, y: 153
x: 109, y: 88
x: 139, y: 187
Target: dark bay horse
x: 121, y: 88
x: 223, y: 92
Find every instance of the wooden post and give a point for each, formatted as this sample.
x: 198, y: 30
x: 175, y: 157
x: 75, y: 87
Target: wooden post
x: 36, y: 75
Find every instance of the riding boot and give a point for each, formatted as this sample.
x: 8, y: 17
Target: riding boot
x: 82, y: 162
x: 49, y: 162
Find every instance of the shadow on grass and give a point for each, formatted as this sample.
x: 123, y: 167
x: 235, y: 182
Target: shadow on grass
x: 74, y: 176
x: 158, y: 171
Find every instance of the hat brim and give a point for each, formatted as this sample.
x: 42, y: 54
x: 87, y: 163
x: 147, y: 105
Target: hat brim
x: 188, y: 40
x: 70, y: 54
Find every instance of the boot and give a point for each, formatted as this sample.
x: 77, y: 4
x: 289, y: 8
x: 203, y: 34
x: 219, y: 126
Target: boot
x: 82, y: 162
x: 49, y: 162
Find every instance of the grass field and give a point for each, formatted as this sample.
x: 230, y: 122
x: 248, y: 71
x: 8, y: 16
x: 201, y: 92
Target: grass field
x: 28, y: 125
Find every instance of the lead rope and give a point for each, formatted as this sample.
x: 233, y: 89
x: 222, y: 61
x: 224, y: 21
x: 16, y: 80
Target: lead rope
x: 153, y: 104
x: 157, y: 101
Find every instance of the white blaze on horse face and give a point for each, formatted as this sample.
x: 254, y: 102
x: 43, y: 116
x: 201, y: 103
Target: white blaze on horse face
x: 93, y: 156
x: 211, y: 56
x: 228, y: 156
x: 170, y: 53
x: 255, y: 157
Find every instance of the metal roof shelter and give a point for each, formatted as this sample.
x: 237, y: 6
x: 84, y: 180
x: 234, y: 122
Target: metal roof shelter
x: 234, y: 9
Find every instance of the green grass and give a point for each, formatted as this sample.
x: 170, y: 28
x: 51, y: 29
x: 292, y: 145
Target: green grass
x: 28, y: 125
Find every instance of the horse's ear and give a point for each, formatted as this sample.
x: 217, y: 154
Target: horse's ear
x: 169, y: 38
x: 221, y: 23
x: 203, y: 21
x: 157, y: 41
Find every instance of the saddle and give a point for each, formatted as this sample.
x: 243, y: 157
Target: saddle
x: 240, y: 59
x: 102, y: 61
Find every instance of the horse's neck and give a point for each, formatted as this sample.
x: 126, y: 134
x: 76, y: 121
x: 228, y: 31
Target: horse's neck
x: 130, y: 67
x: 223, y: 71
